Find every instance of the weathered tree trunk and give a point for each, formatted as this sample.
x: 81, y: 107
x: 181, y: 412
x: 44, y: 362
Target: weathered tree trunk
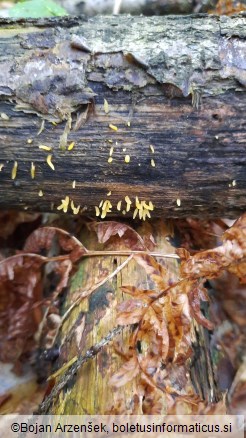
x: 85, y: 388
x: 175, y: 88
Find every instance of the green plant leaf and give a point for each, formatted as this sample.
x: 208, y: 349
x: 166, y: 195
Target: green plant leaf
x: 36, y: 9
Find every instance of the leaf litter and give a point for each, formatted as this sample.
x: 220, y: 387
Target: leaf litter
x: 160, y: 345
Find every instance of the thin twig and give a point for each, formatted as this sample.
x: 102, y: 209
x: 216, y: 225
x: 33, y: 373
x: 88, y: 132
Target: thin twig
x: 92, y: 352
x: 91, y: 253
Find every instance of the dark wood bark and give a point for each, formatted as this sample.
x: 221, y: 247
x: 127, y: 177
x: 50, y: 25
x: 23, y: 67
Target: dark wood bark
x: 179, y: 81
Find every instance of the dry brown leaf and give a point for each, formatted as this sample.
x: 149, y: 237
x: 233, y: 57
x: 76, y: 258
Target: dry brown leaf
x: 154, y: 340
x: 9, y: 221
x: 108, y: 229
x: 211, y: 263
x: 198, y: 234
x: 126, y: 373
x: 44, y: 238
x: 228, y: 7
x: 155, y: 270
x: 152, y: 403
x: 15, y: 263
x: 20, y: 301
x: 197, y: 294
x: 63, y: 270
x: 146, y: 295
x: 130, y: 311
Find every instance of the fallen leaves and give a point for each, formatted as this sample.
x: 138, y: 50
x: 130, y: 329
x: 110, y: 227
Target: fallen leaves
x: 108, y: 229
x: 46, y: 238
x: 161, y: 314
x: 20, y: 296
x: 164, y: 316
x: 230, y: 255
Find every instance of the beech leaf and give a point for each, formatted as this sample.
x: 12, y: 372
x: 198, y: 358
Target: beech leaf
x: 108, y: 229
x: 43, y: 238
x: 126, y: 373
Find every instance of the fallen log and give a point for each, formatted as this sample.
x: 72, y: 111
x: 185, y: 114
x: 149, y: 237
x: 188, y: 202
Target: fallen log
x: 113, y: 107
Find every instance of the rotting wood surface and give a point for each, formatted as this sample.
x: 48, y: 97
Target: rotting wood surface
x: 178, y: 81
x: 88, y: 390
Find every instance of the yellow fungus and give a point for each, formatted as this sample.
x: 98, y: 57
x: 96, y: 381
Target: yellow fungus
x: 111, y: 151
x: 49, y: 162
x: 45, y: 148
x: 119, y: 206
x: 29, y: 140
x: 40, y: 193
x: 110, y: 160
x: 135, y: 213
x: 33, y: 170
x: 152, y: 149
x: 75, y: 209
x: 151, y: 206
x: 4, y: 116
x: 142, y: 209
x: 110, y: 141
x: 106, y: 106
x: 74, y: 184
x: 113, y: 127
x: 97, y: 211
x: 234, y: 183
x: 109, y: 193
x: 178, y: 201
x: 138, y: 205
x: 41, y: 128
x: 64, y: 204
x: 106, y: 208
x: 127, y: 159
x: 152, y: 162
x: 1, y: 167
x: 101, y: 203
x: 148, y: 207
x: 71, y: 146
x: 107, y: 204
x: 14, y: 170
x: 129, y: 123
x: 54, y: 123
x: 128, y: 203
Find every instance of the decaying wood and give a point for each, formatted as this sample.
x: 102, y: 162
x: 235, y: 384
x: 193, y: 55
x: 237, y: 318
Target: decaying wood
x: 90, y: 333
x: 179, y: 82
